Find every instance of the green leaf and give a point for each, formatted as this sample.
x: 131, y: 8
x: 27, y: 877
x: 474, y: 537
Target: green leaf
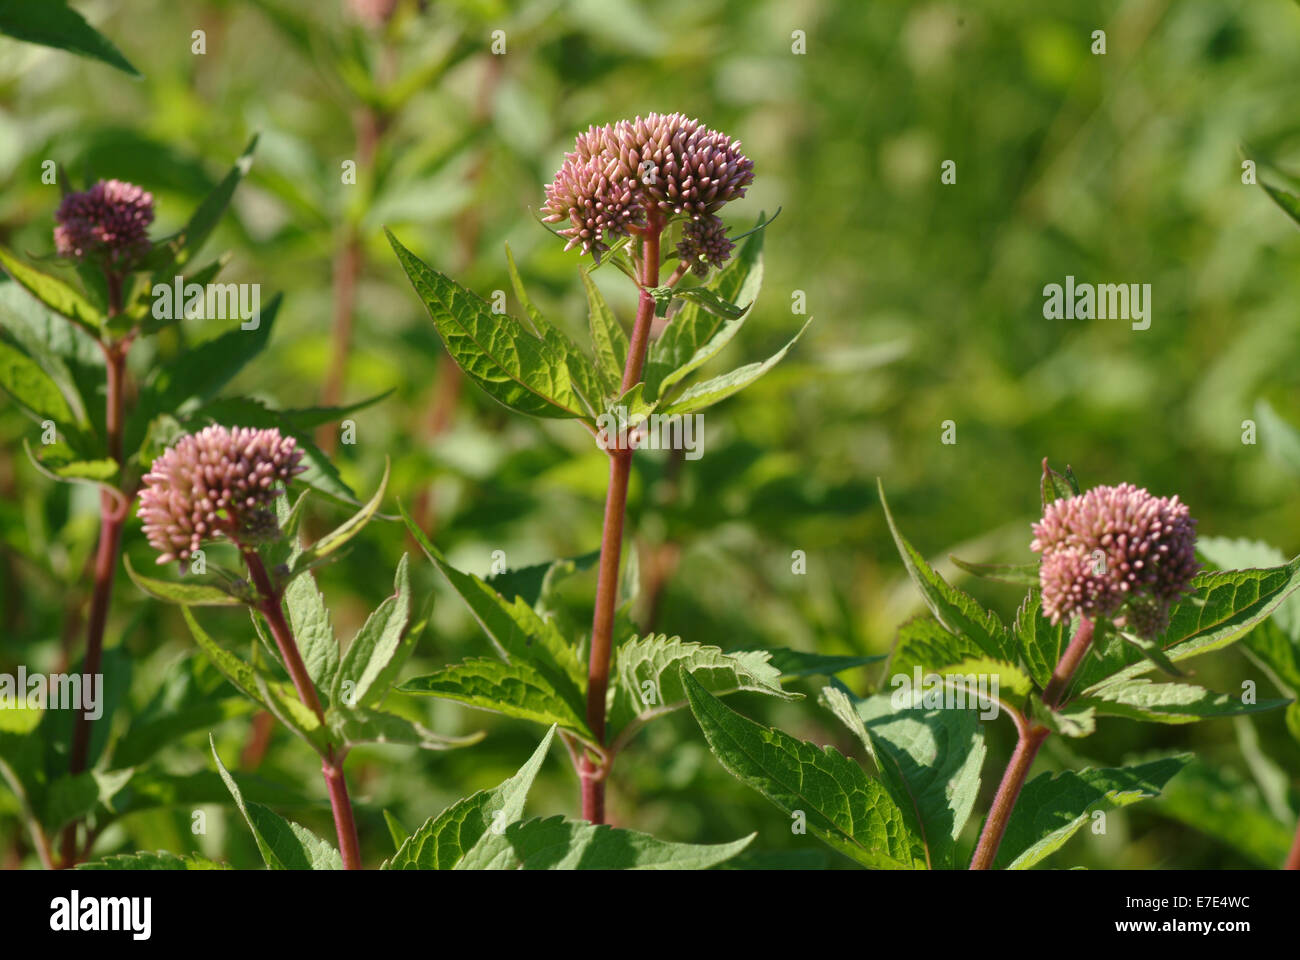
x: 517, y: 632
x: 158, y: 860
x: 1052, y: 807
x: 560, y: 844
x: 924, y: 643
x: 515, y: 689
x: 533, y: 583
x: 310, y: 620
x: 845, y: 808
x: 972, y: 674
x: 177, y: 251
x: 188, y: 594
x: 1237, y: 554
x: 1057, y: 486
x: 1219, y: 802
x: 929, y: 759
x: 694, y: 336
x: 1016, y: 574
x: 1141, y: 699
x: 356, y: 725
x: 712, y: 303
x: 444, y: 840
x: 709, y: 392
x: 508, y: 362
x: 283, y: 845
x: 956, y: 611
x: 1287, y: 201
x: 649, y: 672
x: 377, y: 652
x: 32, y: 388
x: 607, y: 337
x: 1073, y: 720
x: 797, y: 663
x: 335, y: 540
x: 52, y: 23
x: 50, y: 290
x: 395, y: 830
x: 1039, y: 642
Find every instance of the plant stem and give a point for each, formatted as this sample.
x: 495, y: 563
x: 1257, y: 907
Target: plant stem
x: 268, y: 604
x: 1030, y: 738
x: 611, y: 541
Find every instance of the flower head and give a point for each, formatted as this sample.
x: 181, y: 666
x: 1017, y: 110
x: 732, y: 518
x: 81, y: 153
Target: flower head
x: 704, y: 244
x: 1116, y: 552
x: 217, y: 482
x: 618, y: 174
x: 108, y: 221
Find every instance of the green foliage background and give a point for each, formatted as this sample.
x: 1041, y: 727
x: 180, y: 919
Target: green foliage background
x: 927, y: 301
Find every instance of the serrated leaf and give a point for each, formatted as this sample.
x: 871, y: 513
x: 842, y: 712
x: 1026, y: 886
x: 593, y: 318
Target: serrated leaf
x: 357, y: 725
x: 444, y: 840
x: 845, y: 808
x: 52, y: 23
x: 310, y: 620
x: 372, y: 661
x: 187, y: 594
x: 50, y: 290
x: 283, y: 845
x: 158, y: 860
x: 516, y: 689
x: 709, y: 392
x: 1052, y: 807
x: 608, y: 338
x: 1039, y: 642
x: 930, y: 759
x: 508, y: 362
x: 560, y: 844
x: 1141, y: 699
x: 923, y: 642
x: 954, y: 609
x: 649, y: 674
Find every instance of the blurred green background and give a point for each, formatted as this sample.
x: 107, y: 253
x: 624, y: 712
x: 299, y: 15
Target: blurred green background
x: 927, y: 298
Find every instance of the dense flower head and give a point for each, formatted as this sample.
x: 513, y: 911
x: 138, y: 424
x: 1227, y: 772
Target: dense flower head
x: 704, y: 244
x: 217, y: 482
x: 1116, y: 552
x: 617, y: 174
x: 110, y: 221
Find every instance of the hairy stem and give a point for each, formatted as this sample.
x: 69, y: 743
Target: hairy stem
x: 268, y: 604
x: 611, y: 541
x: 1030, y: 738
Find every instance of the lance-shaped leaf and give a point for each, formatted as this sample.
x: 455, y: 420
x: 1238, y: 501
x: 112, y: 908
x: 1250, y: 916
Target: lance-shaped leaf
x: 696, y: 336
x: 52, y: 23
x: 1052, y: 807
x: 516, y: 630
x: 51, y: 291
x: 283, y: 845
x: 444, y: 840
x: 32, y: 388
x: 1039, y: 642
x: 178, y: 250
x: 649, y: 674
x: 1057, y: 486
x: 929, y: 758
x: 1286, y: 200
x: 1016, y: 574
x: 157, y: 860
x: 508, y: 362
x: 1226, y: 605
x: 336, y: 539
x: 957, y: 611
x: 187, y: 594
x: 560, y: 844
x: 534, y: 583
x: 607, y: 337
x: 377, y: 652
x: 310, y: 620
x: 357, y: 725
x: 515, y: 689
x: 709, y: 392
x: 1141, y: 699
x: 797, y: 663
x: 846, y: 809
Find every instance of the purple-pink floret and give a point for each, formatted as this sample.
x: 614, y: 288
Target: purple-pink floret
x: 110, y: 221
x: 217, y: 482
x: 704, y: 244
x: 1116, y: 552
x: 618, y: 174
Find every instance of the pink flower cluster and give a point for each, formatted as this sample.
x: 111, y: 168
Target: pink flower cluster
x: 217, y: 482
x: 110, y: 221
x: 1116, y: 552
x: 618, y: 173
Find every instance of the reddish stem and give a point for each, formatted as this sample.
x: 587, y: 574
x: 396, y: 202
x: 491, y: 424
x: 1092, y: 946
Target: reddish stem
x: 1030, y: 738
x: 268, y: 604
x: 1293, y: 858
x: 611, y: 541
